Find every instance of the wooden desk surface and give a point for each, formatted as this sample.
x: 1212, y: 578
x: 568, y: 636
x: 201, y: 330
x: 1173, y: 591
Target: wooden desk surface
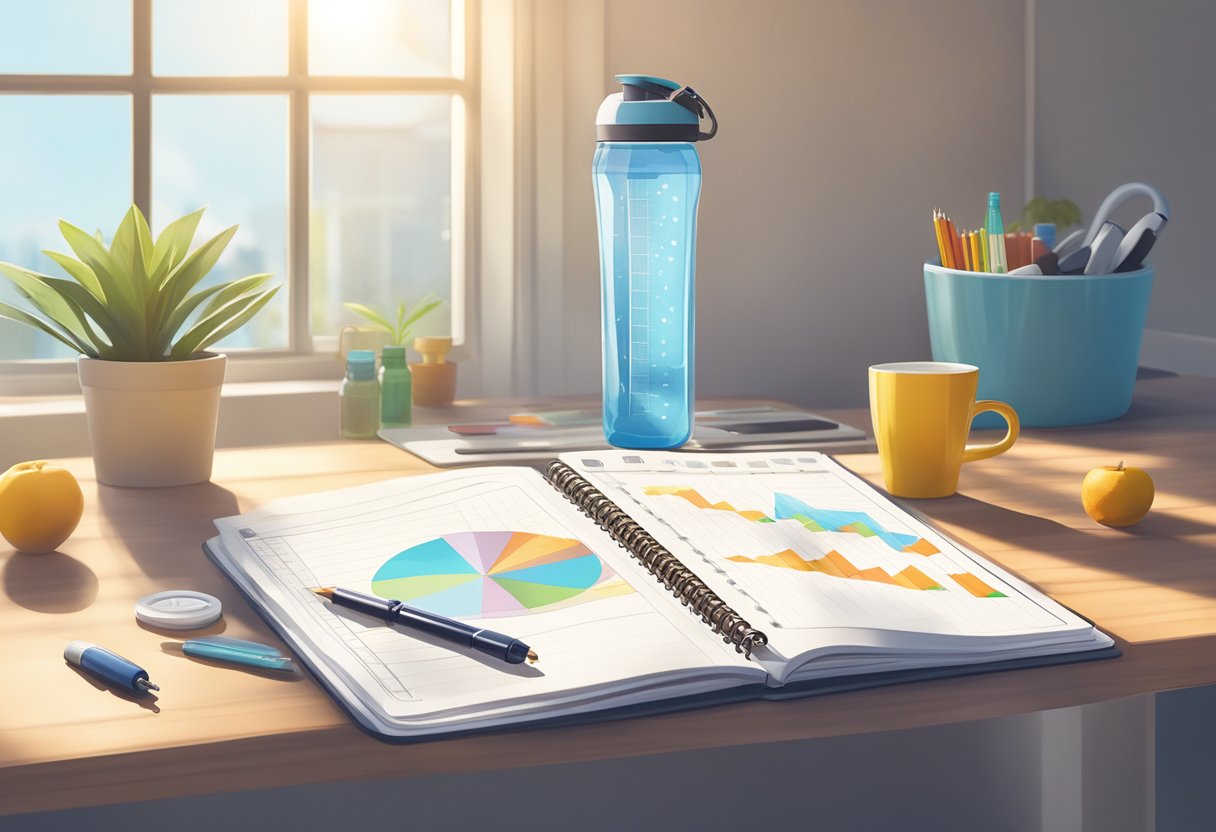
x: 65, y: 742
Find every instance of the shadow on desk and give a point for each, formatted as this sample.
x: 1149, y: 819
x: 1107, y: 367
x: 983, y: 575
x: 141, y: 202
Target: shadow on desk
x: 55, y: 583
x: 163, y: 529
x: 1120, y: 553
x: 147, y: 519
x: 147, y: 701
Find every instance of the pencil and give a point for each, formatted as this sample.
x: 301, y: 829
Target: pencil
x: 956, y: 244
x: 948, y: 249
x: 983, y: 249
x: 941, y: 240
x: 977, y: 260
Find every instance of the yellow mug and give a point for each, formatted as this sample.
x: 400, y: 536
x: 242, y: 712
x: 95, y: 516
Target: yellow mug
x: 922, y: 412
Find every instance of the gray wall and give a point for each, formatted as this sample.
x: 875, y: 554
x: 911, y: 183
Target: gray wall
x: 1124, y: 91
x: 1186, y: 764
x: 842, y: 127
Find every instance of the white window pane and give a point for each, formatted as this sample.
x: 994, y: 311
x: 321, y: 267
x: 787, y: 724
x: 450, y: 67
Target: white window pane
x: 229, y: 153
x: 381, y: 226
x: 219, y: 37
x: 61, y: 156
x: 380, y: 37
x: 57, y: 37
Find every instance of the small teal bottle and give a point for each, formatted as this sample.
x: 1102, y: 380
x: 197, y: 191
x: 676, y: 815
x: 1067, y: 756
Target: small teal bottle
x: 647, y: 177
x: 995, y: 228
x: 396, y: 388
x: 359, y: 396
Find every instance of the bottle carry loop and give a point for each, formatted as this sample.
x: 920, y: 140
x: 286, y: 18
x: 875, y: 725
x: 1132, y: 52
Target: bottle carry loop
x: 689, y: 100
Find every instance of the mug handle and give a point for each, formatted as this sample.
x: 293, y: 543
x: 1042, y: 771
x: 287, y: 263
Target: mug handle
x: 973, y: 452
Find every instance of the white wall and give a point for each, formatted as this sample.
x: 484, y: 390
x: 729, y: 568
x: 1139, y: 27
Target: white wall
x: 843, y: 125
x: 1124, y: 91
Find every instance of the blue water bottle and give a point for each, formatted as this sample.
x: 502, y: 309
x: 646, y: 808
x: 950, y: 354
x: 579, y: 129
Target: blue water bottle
x: 647, y: 178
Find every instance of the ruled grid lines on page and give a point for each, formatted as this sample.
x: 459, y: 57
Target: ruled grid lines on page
x: 777, y: 539
x: 283, y: 561
x: 610, y: 637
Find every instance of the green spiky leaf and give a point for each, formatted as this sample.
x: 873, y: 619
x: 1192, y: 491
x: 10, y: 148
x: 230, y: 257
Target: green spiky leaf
x: 174, y: 241
x: 81, y: 273
x: 23, y: 317
x: 115, y: 284
x: 223, y: 321
x: 130, y: 301
x: 193, y: 268
x: 372, y: 315
x: 49, y: 302
x: 406, y: 317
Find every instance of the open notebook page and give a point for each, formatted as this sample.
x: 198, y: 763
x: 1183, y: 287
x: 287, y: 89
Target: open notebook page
x: 822, y: 562
x: 495, y: 547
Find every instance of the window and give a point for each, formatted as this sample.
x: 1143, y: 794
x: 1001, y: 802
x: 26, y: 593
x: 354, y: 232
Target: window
x: 332, y: 131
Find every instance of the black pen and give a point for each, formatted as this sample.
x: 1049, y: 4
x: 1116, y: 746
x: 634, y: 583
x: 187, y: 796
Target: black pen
x: 504, y: 648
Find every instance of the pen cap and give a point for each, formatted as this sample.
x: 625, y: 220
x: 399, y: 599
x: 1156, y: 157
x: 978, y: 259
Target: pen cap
x: 653, y: 109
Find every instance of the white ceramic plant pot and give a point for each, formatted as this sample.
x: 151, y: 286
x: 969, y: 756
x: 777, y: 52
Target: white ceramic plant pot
x: 152, y: 423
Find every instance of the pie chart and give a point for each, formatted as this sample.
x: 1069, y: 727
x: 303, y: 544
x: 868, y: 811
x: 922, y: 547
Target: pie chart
x: 486, y: 574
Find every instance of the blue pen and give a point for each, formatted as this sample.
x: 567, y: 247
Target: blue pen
x: 504, y: 648
x: 237, y: 651
x: 109, y: 667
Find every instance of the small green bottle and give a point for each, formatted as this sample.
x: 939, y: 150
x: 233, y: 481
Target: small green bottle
x: 396, y: 383
x: 359, y: 396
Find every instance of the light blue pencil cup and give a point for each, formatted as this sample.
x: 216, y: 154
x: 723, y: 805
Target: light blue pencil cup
x: 1061, y: 350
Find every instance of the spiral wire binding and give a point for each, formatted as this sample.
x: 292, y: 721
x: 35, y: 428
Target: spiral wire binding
x: 665, y: 566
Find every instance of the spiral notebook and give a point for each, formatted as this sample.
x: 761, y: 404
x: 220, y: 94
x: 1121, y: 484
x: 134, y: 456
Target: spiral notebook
x: 644, y: 581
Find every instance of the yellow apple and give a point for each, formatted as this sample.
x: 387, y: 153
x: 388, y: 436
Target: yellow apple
x: 40, y: 505
x: 1117, y: 496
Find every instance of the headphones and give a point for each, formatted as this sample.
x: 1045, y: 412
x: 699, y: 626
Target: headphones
x: 1105, y: 247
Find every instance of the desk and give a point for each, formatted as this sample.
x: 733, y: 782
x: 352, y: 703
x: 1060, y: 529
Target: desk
x: 65, y: 744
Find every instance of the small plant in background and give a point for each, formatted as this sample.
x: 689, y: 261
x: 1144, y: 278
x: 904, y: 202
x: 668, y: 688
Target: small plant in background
x: 131, y: 302
x: 1063, y: 212
x: 407, y: 317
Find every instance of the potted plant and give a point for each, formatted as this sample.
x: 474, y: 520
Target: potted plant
x: 1063, y: 213
x: 398, y: 333
x: 433, y: 381
x: 151, y: 390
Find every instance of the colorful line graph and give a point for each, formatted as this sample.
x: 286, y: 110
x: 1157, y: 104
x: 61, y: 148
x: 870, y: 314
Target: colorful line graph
x: 693, y: 496
x: 487, y: 574
x: 857, y: 522
x: 838, y: 566
x: 834, y: 564
x: 813, y: 519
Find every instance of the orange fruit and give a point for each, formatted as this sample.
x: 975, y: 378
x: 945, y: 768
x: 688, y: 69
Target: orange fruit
x: 1117, y: 496
x: 40, y: 505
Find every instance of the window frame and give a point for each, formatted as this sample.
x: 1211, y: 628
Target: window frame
x: 306, y: 356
